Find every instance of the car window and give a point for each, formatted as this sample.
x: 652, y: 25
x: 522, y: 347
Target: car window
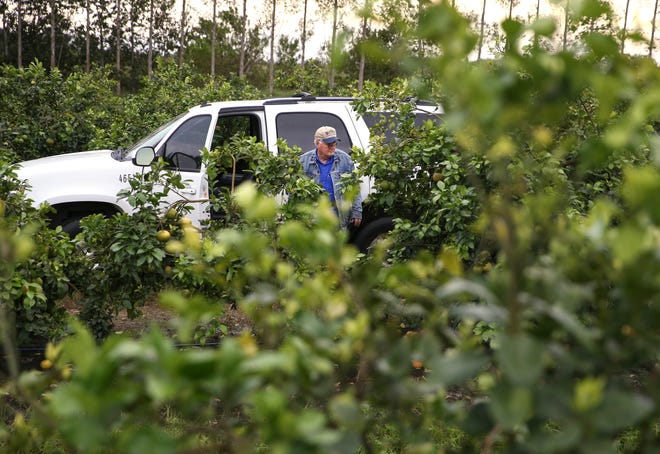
x: 386, y: 123
x: 231, y: 125
x: 298, y: 128
x: 183, y: 149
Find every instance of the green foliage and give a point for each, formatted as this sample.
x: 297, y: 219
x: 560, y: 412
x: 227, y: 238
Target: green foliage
x: 422, y: 177
x: 311, y: 78
x: 552, y: 348
x: 277, y: 175
x: 124, y: 260
x: 169, y: 92
x: 30, y: 289
x: 45, y: 113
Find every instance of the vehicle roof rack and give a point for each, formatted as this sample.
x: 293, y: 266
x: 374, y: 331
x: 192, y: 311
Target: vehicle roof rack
x: 419, y: 102
x: 305, y: 96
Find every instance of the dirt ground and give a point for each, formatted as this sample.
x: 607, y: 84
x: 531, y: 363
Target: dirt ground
x: 155, y: 314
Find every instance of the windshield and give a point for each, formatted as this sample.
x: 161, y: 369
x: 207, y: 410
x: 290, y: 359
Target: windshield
x: 155, y: 137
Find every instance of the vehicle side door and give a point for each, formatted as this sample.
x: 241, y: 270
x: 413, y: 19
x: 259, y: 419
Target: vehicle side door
x: 182, y: 151
x: 297, y: 122
x: 235, y: 122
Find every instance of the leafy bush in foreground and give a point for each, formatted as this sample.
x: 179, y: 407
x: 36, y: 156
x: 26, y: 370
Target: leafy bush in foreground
x: 334, y: 362
x: 31, y: 289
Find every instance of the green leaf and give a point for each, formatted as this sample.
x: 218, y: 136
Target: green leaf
x: 641, y: 188
x: 563, y: 439
x: 511, y: 405
x: 459, y: 286
x: 455, y: 368
x: 480, y: 312
x: 150, y: 439
x: 626, y: 244
x: 270, y: 362
x: 544, y: 26
x: 81, y: 349
x: 520, y: 358
x: 588, y: 393
x: 620, y: 410
x: 311, y: 426
x: 601, y: 45
x: 346, y: 412
x: 513, y: 29
x: 589, y: 8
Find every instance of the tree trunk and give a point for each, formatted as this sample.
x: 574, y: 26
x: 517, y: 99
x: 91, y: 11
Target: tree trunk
x: 625, y: 26
x: 118, y: 45
x: 132, y: 18
x: 19, y: 33
x: 150, y: 45
x: 652, y: 42
x: 536, y: 18
x: 88, y: 55
x: 53, y: 9
x: 566, y: 19
x: 182, y: 34
x: 213, y: 37
x: 538, y: 8
x: 333, y: 45
x: 362, y: 56
x: 303, y: 38
x: 271, y: 63
x: 510, y: 9
x: 5, y: 38
x: 101, y: 10
x: 481, y: 30
x: 241, y: 59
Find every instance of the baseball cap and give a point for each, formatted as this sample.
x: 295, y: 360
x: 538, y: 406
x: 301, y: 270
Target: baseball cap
x: 327, y: 134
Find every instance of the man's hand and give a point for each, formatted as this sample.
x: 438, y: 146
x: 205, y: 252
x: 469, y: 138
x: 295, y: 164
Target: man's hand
x: 356, y: 222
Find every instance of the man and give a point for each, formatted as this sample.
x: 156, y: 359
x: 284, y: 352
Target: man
x: 325, y: 165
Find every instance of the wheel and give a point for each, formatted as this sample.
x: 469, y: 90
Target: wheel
x: 71, y: 225
x: 369, y: 235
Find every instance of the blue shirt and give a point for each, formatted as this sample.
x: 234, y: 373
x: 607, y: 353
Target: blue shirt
x: 325, y: 179
x: 340, y: 164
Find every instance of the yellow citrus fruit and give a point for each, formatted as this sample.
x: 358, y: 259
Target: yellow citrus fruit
x: 185, y: 221
x: 437, y: 176
x: 163, y: 235
x: 171, y: 213
x: 174, y: 247
x: 46, y: 364
x: 65, y: 373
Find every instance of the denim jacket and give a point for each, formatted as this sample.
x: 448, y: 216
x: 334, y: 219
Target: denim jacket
x: 342, y: 164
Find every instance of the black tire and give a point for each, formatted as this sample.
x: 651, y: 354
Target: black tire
x: 372, y: 232
x: 71, y: 225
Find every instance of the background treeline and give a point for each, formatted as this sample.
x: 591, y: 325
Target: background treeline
x: 278, y: 45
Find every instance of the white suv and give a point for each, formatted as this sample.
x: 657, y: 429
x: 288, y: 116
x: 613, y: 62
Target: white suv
x: 80, y: 184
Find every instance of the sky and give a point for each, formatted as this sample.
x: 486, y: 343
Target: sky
x: 639, y: 16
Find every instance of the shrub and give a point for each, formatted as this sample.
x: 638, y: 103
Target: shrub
x: 31, y: 288
x: 45, y: 113
x: 125, y: 260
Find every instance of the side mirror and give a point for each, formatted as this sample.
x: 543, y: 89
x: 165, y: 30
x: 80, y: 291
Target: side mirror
x: 144, y: 157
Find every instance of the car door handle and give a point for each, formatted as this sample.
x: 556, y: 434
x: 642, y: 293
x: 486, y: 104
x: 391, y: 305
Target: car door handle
x: 188, y: 190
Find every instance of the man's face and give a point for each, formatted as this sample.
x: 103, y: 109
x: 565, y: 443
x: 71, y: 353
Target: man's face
x: 326, y: 150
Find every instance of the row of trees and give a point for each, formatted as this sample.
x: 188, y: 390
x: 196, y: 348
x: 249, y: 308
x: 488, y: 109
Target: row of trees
x: 237, y: 38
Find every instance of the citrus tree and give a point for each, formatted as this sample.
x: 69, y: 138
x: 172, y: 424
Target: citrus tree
x: 550, y: 346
